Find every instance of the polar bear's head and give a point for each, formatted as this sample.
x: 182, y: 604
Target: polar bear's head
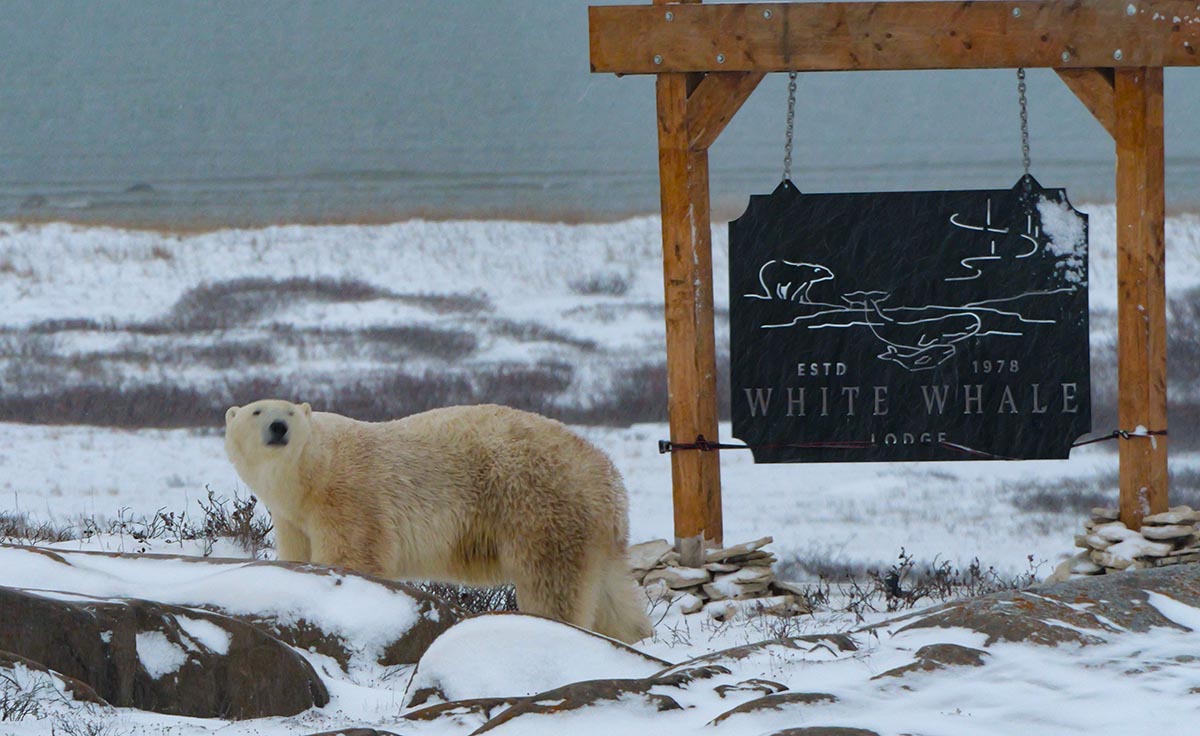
x: 268, y: 431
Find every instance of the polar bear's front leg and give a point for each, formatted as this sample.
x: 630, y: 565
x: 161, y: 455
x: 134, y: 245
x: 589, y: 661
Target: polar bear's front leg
x: 291, y: 544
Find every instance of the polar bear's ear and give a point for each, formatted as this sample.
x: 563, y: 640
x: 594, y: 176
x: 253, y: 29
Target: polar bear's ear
x: 306, y: 409
x: 231, y: 413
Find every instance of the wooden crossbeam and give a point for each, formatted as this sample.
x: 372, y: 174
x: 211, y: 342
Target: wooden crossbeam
x: 714, y: 103
x: 1094, y: 88
x: 836, y: 36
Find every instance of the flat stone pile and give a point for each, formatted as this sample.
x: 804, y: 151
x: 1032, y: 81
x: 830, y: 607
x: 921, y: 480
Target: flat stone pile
x: 734, y: 581
x: 1169, y: 538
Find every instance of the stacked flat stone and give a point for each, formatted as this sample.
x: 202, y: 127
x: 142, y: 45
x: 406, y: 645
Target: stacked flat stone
x: 1169, y: 538
x: 734, y: 581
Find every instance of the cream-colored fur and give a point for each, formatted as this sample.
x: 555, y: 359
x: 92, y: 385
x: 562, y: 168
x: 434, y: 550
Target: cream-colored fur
x: 470, y: 494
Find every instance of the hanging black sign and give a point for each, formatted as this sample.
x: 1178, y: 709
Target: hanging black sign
x: 909, y: 325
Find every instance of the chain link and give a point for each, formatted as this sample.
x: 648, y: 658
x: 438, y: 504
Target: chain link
x: 791, y: 123
x: 1024, y: 119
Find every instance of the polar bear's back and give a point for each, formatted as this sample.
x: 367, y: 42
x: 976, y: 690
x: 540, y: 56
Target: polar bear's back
x: 485, y: 464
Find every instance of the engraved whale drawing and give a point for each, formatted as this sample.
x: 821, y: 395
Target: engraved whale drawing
x: 920, y: 341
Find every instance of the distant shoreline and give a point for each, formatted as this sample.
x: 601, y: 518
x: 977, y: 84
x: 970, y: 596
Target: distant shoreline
x: 203, y: 224
x: 722, y: 212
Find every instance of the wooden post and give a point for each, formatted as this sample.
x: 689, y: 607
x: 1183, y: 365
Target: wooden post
x: 691, y: 343
x: 1141, y: 287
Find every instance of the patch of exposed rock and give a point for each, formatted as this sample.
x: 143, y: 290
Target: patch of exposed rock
x: 777, y: 701
x: 1084, y: 610
x: 167, y: 659
x: 357, y: 732
x: 825, y: 730
x: 933, y: 657
x: 585, y: 694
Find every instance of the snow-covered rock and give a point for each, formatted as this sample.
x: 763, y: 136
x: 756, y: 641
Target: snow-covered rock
x: 357, y: 620
x: 515, y: 655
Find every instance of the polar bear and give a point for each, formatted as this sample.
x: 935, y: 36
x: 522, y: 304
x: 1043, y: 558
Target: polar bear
x: 468, y: 494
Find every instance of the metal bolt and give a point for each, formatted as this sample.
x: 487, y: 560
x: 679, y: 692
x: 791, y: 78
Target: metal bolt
x: 1066, y: 56
x: 657, y: 59
x: 720, y: 58
x: 1117, y: 54
x: 1130, y: 9
x: 767, y: 14
x: 1016, y: 12
x: 670, y: 16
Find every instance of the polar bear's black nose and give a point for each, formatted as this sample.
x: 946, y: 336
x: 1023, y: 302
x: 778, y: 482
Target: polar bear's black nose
x: 277, y: 432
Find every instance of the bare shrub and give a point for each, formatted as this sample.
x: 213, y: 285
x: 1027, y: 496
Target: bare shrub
x: 153, y: 405
x: 1183, y: 374
x: 447, y: 303
x: 24, y: 693
x: 474, y: 600
x: 224, y: 354
x: 532, y: 388
x: 70, y: 324
x: 638, y: 394
x: 224, y: 518
x: 600, y: 284
x: 234, y: 519
x: 396, y: 342
x: 231, y: 303
x: 1079, y: 495
x: 383, y: 396
x: 1062, y: 495
x: 533, y: 332
x: 905, y: 584
x: 17, y: 528
x: 1183, y: 338
x: 817, y: 567
x: 1184, y: 421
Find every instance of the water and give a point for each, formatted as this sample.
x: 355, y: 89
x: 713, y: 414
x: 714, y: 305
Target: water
x: 172, y: 113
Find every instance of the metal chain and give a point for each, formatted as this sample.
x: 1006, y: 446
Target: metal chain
x: 1024, y: 119
x: 791, y: 121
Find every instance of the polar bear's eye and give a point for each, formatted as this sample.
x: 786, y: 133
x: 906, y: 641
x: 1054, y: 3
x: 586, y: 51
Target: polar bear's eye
x: 291, y: 413
x: 257, y: 412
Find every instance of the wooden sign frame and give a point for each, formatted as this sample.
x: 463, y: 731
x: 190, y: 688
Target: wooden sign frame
x: 709, y: 58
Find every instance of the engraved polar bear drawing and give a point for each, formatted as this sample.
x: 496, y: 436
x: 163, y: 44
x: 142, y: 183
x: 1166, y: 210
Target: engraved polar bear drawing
x: 468, y: 494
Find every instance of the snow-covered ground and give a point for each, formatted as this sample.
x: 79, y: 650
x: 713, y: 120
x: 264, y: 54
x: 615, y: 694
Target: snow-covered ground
x: 78, y: 302
x: 584, y: 300
x: 1107, y: 677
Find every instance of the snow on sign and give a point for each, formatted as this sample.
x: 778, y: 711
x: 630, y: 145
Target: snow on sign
x: 909, y: 325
